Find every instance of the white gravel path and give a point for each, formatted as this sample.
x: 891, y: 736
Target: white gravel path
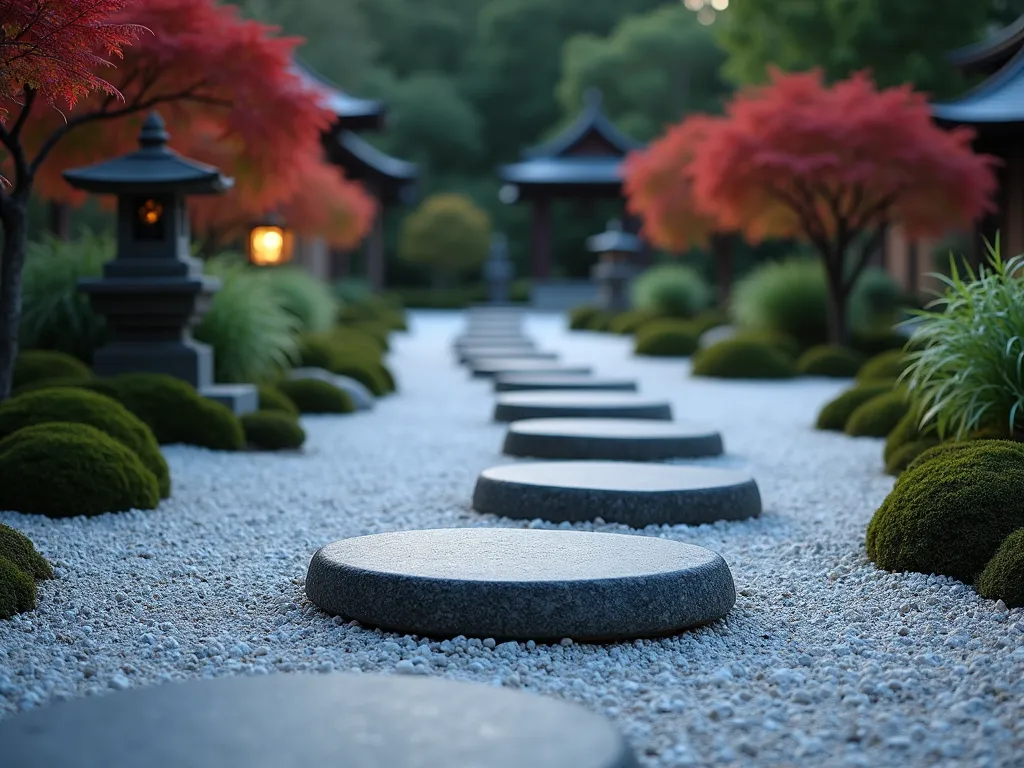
x: 823, y: 661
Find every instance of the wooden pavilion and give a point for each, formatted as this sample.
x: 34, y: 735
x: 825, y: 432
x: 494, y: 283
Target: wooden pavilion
x: 581, y: 163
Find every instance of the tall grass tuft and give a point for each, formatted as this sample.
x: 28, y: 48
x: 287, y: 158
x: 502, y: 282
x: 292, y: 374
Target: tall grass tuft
x: 671, y: 290
x: 310, y: 300
x: 968, y: 371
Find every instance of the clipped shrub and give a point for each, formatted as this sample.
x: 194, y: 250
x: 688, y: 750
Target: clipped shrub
x: 373, y: 331
x: 317, y: 351
x: 712, y: 318
x: 273, y: 399
x: 787, y: 345
x: 949, y: 514
x: 316, y: 396
x: 629, y: 322
x: 667, y: 338
x: 310, y: 301
x: 79, y: 406
x: 743, y: 359
x: 355, y: 338
x: 829, y: 360
x: 907, y: 431
x: 37, y: 365
x: 64, y: 470
x: 17, y: 548
x: 835, y: 413
x: 871, y: 343
x: 878, y: 416
x: 448, y: 233
x: 17, y: 590
x: 887, y: 366
x: 601, y: 322
x: 251, y: 333
x: 580, y: 317
x: 273, y: 431
x: 906, y: 454
x: 55, y: 314
x: 177, y: 413
x: 1003, y: 577
x: 372, y: 375
x: 671, y: 290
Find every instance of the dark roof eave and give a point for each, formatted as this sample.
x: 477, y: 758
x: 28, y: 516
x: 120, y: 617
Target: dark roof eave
x: 345, y: 106
x: 379, y: 162
x: 214, y: 186
x: 591, y: 118
x: 990, y: 53
x: 981, y: 105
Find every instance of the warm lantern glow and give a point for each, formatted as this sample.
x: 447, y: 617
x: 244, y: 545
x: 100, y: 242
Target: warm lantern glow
x: 269, y: 246
x: 150, y: 212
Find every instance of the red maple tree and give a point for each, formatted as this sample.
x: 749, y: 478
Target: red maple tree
x: 224, y: 85
x: 834, y: 166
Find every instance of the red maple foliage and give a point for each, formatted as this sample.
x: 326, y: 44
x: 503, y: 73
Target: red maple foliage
x: 835, y: 165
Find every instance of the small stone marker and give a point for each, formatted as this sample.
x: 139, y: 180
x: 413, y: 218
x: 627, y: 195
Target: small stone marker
x: 490, y: 367
x: 519, y: 382
x: 521, y: 584
x: 492, y: 353
x: 515, y: 406
x: 630, y: 493
x: 333, y: 720
x: 610, y: 439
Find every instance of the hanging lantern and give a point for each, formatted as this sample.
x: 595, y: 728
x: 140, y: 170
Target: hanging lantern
x: 271, y: 243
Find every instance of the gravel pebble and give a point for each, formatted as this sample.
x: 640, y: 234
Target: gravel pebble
x: 824, y: 659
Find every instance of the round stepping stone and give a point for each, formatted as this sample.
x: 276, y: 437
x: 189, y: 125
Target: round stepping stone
x: 518, y: 382
x: 630, y: 493
x: 515, y: 406
x: 610, y: 439
x: 338, y: 720
x: 521, y: 584
x: 498, y: 353
x: 487, y: 368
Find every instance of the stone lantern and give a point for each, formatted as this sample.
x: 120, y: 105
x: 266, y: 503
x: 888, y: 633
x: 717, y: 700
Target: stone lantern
x: 498, y: 270
x: 615, y: 269
x: 152, y: 292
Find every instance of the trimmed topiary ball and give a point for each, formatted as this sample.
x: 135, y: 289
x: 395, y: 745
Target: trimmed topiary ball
x: 907, y: 432
x: 273, y: 431
x: 1003, y: 577
x: 888, y: 366
x: 878, y: 416
x: 34, y: 365
x: 65, y: 470
x: 948, y: 515
x: 667, y: 338
x: 273, y: 399
x: 19, y: 549
x: 177, y: 413
x: 835, y: 413
x: 79, y: 406
x: 580, y: 317
x: 830, y: 360
x: 17, y: 590
x: 743, y: 359
x: 316, y: 396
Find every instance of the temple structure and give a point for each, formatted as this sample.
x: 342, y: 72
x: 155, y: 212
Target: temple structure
x: 582, y: 163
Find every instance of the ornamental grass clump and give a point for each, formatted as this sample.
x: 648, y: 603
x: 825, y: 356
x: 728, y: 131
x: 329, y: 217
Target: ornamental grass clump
x: 969, y: 373
x: 310, y: 301
x: 671, y: 290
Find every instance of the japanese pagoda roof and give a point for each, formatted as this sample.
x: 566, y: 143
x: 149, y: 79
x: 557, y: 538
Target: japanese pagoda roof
x: 353, y: 113
x: 999, y: 99
x: 584, y: 171
x: 992, y: 53
x: 154, y: 169
x: 392, y: 179
x: 592, y: 121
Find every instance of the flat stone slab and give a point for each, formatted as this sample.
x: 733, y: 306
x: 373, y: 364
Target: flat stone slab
x: 519, y: 382
x: 492, y: 366
x: 521, y: 584
x: 493, y: 340
x: 333, y: 720
x: 630, y: 493
x: 515, y: 406
x: 492, y: 353
x: 610, y: 439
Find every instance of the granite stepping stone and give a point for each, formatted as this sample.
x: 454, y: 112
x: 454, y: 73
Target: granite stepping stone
x: 523, y: 584
x: 502, y: 340
x: 332, y: 720
x: 490, y: 367
x: 630, y: 493
x: 500, y: 353
x: 515, y: 406
x: 361, y: 396
x: 610, y: 439
x: 519, y: 382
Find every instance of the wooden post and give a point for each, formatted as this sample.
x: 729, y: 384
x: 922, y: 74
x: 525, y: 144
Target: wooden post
x: 540, y: 239
x: 375, y: 253
x: 60, y: 220
x: 913, y: 268
x: 721, y: 253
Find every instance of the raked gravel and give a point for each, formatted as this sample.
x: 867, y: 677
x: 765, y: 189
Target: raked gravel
x: 823, y: 661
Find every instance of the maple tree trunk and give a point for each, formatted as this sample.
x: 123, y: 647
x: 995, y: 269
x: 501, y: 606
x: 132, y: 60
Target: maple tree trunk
x: 14, y: 216
x: 838, y: 295
x: 721, y: 252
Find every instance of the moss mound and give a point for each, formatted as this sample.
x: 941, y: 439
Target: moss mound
x: 79, y: 406
x: 34, y: 365
x: 63, y: 470
x: 738, y: 358
x: 949, y: 514
x: 830, y: 360
x: 177, y: 413
x: 273, y: 431
x: 907, y: 432
x: 878, y: 416
x: 17, y: 590
x: 629, y: 322
x: 273, y: 399
x: 374, y: 376
x: 712, y: 318
x: 835, y: 413
x: 787, y: 345
x: 667, y: 338
x: 888, y: 366
x: 1003, y: 577
x: 875, y: 343
x: 601, y: 322
x: 19, y: 549
x: 316, y: 396
x: 580, y: 317
x: 904, y: 456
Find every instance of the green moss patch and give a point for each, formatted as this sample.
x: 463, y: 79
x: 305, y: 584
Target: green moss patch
x: 17, y: 590
x: 835, y: 413
x: 1003, y: 577
x: 739, y: 358
x: 887, y: 366
x: 273, y: 399
x: 34, y: 365
x: 19, y: 549
x: 667, y: 338
x: 273, y: 431
x: 315, y: 396
x: 878, y: 416
x: 830, y: 360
